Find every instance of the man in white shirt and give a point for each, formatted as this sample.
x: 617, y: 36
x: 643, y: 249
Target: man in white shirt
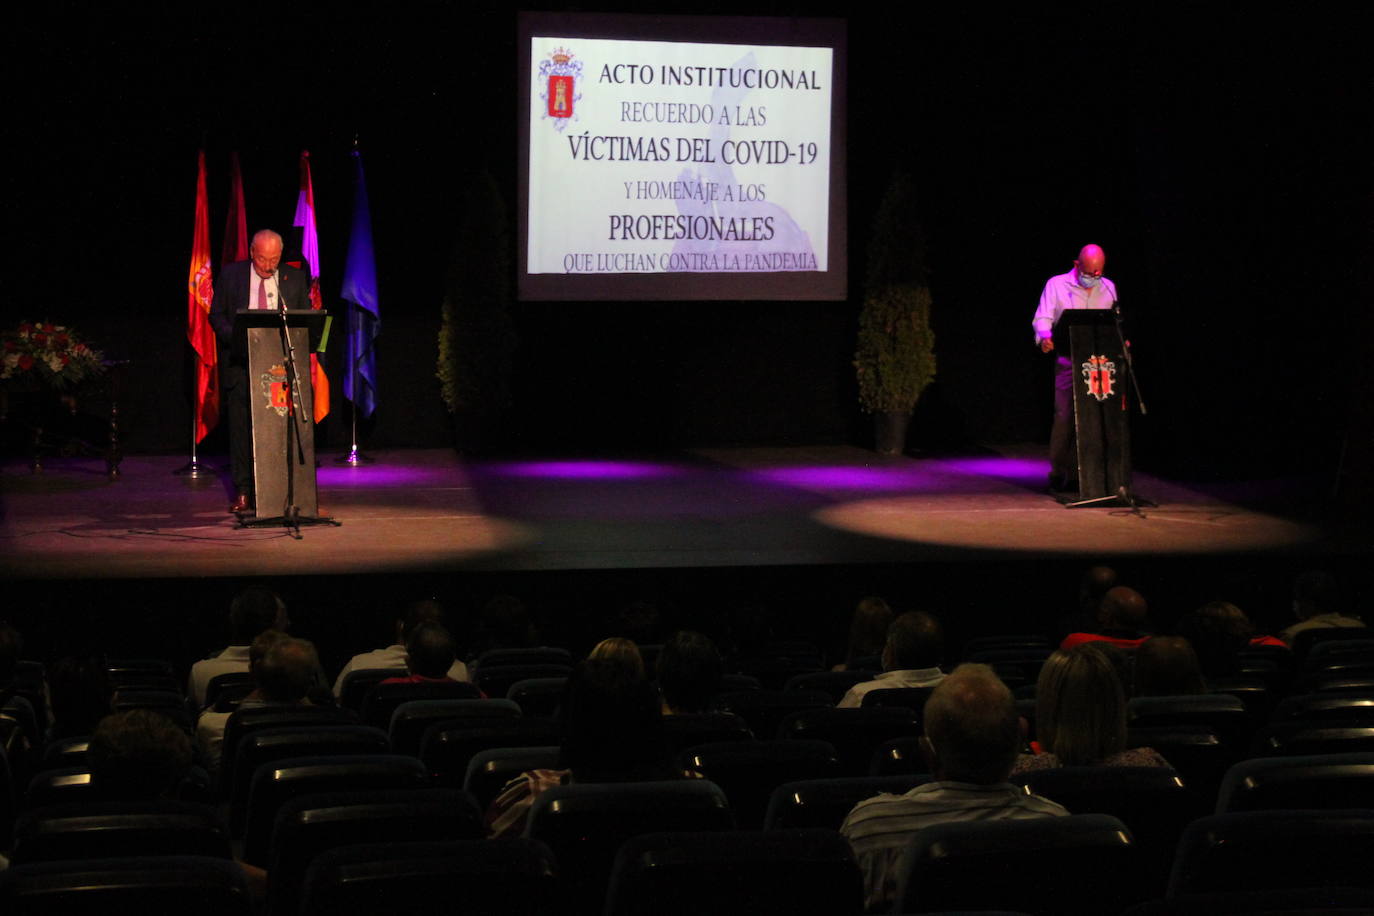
x: 911, y: 658
x: 252, y: 611
x: 972, y: 738
x: 394, y: 656
x: 1084, y: 287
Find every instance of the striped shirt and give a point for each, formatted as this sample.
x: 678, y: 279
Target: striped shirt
x: 879, y: 828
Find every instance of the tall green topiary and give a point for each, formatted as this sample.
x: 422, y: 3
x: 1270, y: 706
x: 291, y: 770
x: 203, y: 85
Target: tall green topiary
x: 895, y: 357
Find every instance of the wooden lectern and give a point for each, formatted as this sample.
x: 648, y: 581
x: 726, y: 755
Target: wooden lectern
x: 283, y: 435
x: 1101, y: 408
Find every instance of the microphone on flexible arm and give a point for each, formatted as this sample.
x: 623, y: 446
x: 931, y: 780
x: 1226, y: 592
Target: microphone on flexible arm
x: 276, y: 280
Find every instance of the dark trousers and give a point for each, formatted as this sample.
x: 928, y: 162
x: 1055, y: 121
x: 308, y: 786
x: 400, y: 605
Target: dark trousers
x: 234, y: 381
x: 1063, y: 443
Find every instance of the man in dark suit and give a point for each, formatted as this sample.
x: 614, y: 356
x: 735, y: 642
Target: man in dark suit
x: 262, y: 282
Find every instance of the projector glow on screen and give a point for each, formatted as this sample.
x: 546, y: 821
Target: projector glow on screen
x: 678, y: 169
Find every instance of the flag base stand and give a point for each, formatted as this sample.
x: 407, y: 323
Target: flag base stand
x: 195, y: 470
x: 354, y: 458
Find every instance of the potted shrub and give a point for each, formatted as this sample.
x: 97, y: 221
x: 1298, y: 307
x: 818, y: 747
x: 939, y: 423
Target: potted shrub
x: 895, y: 356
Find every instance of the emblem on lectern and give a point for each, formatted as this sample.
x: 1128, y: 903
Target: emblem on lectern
x: 1099, y: 373
x: 272, y: 384
x: 558, y: 76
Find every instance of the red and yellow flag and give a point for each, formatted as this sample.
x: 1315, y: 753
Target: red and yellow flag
x: 310, y: 248
x: 201, y: 289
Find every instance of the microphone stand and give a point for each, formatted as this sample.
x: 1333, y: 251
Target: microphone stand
x: 291, y: 517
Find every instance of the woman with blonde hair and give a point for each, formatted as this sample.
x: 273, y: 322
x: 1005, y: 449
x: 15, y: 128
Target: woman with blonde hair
x: 1080, y: 715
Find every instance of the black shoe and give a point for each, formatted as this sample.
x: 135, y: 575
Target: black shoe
x: 242, y: 504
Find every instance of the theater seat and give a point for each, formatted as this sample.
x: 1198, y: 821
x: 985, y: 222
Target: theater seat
x: 913, y: 698
x: 835, y: 683
x: 534, y: 655
x: 98, y: 830
x: 1084, y: 864
x: 446, y: 752
x: 358, y: 682
x: 854, y: 733
x: 764, y: 710
x: 898, y: 757
x: 748, y: 771
x: 497, y: 681
x: 585, y: 824
x: 513, y: 877
x: 155, y: 884
x: 381, y: 701
x: 271, y: 745
x: 1274, y: 850
x: 824, y: 803
x: 538, y: 696
x: 312, y: 824
x: 1330, y: 781
x: 278, y: 783
x: 246, y: 721
x: 684, y: 731
x: 412, y: 719
x: 745, y: 872
x: 489, y: 771
x: 1153, y: 803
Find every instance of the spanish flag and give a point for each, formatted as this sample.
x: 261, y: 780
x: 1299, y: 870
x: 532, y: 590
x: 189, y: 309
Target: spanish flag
x: 201, y: 290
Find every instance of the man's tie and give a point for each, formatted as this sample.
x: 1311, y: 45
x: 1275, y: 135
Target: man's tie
x: 262, y: 292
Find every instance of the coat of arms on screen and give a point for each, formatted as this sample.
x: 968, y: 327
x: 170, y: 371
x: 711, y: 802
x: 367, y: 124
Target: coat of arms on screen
x: 274, y: 388
x: 1099, y: 373
x: 558, y: 86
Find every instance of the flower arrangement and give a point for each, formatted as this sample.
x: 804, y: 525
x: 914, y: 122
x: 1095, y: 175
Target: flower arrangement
x: 47, y: 354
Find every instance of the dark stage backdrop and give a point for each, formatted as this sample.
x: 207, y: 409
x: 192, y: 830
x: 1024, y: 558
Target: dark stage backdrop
x: 1218, y: 157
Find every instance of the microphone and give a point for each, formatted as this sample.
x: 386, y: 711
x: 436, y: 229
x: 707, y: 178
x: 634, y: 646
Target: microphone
x: 276, y: 280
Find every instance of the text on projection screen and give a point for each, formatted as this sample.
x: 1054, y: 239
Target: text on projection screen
x: 674, y: 157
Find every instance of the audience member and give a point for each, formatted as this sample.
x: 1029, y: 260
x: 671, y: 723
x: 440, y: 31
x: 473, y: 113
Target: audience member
x: 867, y: 631
x: 138, y: 754
x: 253, y: 610
x: 1167, y: 666
x: 911, y: 657
x: 972, y: 736
x: 1095, y: 582
x: 506, y: 624
x: 1218, y: 631
x: 430, y: 654
x: 284, y: 670
x: 1317, y: 603
x: 619, y: 651
x: 394, y: 655
x: 1121, y: 620
x: 1080, y: 715
x: 613, y: 732
x: 690, y: 671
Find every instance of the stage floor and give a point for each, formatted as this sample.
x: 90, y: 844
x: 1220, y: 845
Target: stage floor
x: 426, y: 510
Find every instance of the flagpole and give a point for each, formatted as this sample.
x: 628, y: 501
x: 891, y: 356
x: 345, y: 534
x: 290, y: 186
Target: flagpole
x: 199, y: 304
x: 354, y: 457
x: 354, y: 297
x: 193, y: 469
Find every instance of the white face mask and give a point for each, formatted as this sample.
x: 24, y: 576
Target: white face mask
x: 1086, y: 281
